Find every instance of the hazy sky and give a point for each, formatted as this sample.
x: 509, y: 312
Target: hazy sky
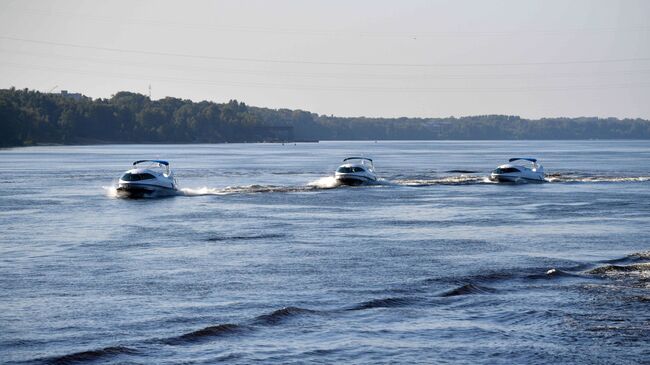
x: 532, y: 58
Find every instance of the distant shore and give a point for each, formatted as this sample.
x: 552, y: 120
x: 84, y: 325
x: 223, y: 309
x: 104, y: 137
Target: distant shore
x: 30, y: 118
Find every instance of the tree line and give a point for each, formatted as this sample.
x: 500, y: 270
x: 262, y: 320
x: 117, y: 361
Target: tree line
x: 30, y: 117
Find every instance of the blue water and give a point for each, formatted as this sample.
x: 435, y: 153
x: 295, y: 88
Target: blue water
x: 262, y: 259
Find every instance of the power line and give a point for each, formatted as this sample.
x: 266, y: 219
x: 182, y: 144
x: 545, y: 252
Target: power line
x: 340, y: 75
x: 338, y: 89
x: 323, y: 63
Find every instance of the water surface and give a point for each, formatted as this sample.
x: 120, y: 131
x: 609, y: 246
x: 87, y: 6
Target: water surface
x: 262, y: 258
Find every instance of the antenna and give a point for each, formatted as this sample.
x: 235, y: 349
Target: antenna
x: 149, y: 91
x: 52, y: 89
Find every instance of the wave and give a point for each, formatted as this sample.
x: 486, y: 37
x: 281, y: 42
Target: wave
x: 468, y: 289
x: 552, y: 274
x: 640, y: 298
x: 632, y: 258
x: 205, y: 333
x: 279, y: 315
x: 476, y: 284
x: 251, y: 237
x: 492, y: 276
x: 229, y: 329
x: 92, y: 355
x: 383, y: 303
x: 473, y: 285
x: 642, y: 255
x: 641, y: 269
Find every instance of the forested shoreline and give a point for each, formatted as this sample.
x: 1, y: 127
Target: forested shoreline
x: 31, y: 118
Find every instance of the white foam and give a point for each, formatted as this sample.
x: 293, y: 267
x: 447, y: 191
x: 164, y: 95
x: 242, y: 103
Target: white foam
x: 447, y: 180
x: 327, y: 182
x: 111, y: 191
x: 244, y: 189
x: 382, y: 181
x: 202, y: 191
x: 596, y: 179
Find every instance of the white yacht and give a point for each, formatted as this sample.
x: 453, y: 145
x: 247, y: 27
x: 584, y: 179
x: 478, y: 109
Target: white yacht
x: 156, y: 179
x: 519, y: 169
x: 356, y: 171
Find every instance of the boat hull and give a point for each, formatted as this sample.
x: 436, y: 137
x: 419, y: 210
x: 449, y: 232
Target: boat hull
x: 141, y: 191
x: 353, y: 180
x: 516, y: 179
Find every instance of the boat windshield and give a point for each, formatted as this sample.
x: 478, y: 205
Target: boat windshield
x: 505, y: 170
x: 155, y: 165
x: 350, y: 169
x: 137, y: 177
x: 365, y: 162
x: 525, y: 163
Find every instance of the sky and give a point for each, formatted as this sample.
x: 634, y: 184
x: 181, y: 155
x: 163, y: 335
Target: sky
x: 374, y: 58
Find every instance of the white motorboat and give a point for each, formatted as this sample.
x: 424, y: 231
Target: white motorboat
x: 517, y: 171
x: 154, y: 180
x: 356, y: 171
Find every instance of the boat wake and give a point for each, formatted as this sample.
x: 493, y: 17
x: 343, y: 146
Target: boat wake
x: 329, y: 182
x: 110, y: 191
x: 244, y: 189
x: 323, y: 183
x: 576, y: 178
x: 464, y: 179
x: 326, y: 182
x: 446, y: 180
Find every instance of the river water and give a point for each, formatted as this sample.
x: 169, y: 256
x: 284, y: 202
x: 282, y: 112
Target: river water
x: 261, y: 258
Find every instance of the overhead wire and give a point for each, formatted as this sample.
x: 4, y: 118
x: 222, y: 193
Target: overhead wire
x: 333, y: 75
x: 320, y: 88
x: 322, y: 63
